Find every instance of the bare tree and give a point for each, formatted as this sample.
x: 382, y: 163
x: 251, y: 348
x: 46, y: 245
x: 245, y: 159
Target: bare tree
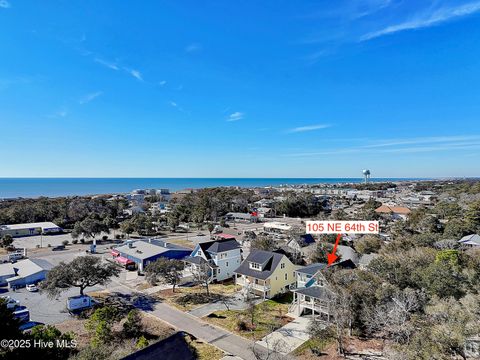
x: 202, y: 275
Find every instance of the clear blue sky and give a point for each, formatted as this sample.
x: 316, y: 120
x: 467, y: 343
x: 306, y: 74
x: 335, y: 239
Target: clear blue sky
x: 239, y: 88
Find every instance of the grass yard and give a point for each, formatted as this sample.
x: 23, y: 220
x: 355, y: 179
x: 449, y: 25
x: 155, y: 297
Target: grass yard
x: 268, y: 317
x: 204, y: 351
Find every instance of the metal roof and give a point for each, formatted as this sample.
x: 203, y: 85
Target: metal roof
x: 43, y: 225
x: 312, y: 268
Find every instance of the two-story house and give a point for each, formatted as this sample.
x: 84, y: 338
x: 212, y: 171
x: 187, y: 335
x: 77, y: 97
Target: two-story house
x: 265, y: 273
x: 312, y: 294
x: 222, y: 256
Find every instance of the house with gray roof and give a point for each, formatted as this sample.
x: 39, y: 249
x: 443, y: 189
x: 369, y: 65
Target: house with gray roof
x: 470, y: 240
x: 221, y: 257
x: 265, y: 273
x: 312, y: 294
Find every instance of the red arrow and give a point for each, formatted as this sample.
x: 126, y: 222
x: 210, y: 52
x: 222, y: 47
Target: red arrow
x: 331, y: 258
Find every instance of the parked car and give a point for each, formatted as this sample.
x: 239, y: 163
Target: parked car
x: 32, y: 287
x: 10, y: 302
x: 58, y: 247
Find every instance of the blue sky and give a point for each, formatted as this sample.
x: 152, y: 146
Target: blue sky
x: 239, y: 89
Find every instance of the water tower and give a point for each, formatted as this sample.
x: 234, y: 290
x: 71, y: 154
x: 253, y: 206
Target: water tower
x: 366, y: 175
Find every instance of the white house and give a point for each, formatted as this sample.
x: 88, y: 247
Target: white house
x: 470, y: 240
x: 222, y: 257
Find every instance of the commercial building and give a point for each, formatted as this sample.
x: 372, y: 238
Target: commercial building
x: 30, y: 229
x: 143, y: 252
x: 23, y: 272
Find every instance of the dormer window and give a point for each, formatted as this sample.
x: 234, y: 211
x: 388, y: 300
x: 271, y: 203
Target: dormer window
x: 255, y: 266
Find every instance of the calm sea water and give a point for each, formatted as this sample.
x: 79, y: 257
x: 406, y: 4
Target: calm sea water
x: 51, y: 187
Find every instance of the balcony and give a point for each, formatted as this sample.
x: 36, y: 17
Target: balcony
x: 251, y: 284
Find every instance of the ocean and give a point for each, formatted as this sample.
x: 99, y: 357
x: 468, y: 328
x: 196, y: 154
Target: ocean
x: 55, y: 187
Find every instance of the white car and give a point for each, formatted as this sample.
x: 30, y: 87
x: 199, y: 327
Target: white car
x: 10, y: 302
x: 32, y: 287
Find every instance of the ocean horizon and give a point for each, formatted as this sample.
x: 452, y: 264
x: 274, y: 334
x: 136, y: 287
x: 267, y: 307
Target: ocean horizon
x: 56, y: 187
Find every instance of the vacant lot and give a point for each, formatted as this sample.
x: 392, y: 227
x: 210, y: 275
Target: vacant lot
x: 188, y: 298
x: 267, y: 317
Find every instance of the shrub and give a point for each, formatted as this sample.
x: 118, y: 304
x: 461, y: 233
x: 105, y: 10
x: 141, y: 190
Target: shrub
x: 118, y: 236
x: 132, y: 327
x: 74, y: 241
x: 141, y: 342
x: 242, y: 325
x: 65, y: 242
x: 104, y: 237
x: 82, y: 241
x: 49, y: 245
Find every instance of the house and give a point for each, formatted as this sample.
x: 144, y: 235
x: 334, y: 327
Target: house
x: 173, y: 347
x: 221, y: 256
x: 346, y: 253
x: 265, y: 273
x: 312, y: 294
x: 265, y: 212
x: 395, y: 212
x: 23, y: 272
x: 299, y: 243
x: 140, y: 253
x: 470, y: 240
x: 266, y: 203
x: 30, y: 229
x: 243, y: 217
x: 276, y: 227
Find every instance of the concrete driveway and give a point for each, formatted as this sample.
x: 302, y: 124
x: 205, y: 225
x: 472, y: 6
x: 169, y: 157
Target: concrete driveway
x: 287, y: 338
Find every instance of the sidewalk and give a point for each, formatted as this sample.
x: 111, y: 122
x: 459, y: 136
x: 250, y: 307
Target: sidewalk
x: 287, y: 338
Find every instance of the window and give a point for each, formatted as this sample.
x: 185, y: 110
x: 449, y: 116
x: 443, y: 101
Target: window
x: 199, y: 252
x: 282, y: 266
x: 286, y: 276
x: 226, y: 263
x: 255, y: 266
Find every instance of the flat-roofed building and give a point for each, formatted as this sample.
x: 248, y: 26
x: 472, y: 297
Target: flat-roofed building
x: 30, y: 229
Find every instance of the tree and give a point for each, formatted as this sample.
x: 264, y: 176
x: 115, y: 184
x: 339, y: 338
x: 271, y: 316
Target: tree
x: 111, y: 223
x: 82, y: 272
x: 320, y: 253
x: 168, y: 271
x: 262, y: 242
x: 100, y: 325
x: 6, y: 240
x: 368, y: 244
x: 472, y: 216
x: 127, y: 227
x: 202, y: 275
x: 132, y: 327
x: 211, y: 227
x: 47, y: 334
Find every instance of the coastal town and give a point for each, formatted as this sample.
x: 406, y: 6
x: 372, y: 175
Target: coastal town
x: 231, y: 273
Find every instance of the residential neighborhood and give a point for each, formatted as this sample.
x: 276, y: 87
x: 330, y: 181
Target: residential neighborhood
x: 261, y: 282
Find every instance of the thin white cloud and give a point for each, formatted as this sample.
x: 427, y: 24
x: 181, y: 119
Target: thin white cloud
x: 173, y: 103
x: 162, y: 83
x: 89, y: 97
x: 63, y: 112
x: 237, y: 115
x: 405, y: 146
x: 193, y: 47
x: 136, y: 74
x: 4, y: 4
x: 421, y: 140
x: 427, y: 19
x: 109, y: 64
x: 308, y: 128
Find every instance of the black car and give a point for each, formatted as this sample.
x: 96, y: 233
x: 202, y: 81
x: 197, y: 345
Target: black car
x: 58, y: 248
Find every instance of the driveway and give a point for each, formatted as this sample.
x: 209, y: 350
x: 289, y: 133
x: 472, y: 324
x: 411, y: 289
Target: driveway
x: 287, y: 338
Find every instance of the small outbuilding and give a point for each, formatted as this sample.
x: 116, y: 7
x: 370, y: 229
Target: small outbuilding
x: 30, y: 229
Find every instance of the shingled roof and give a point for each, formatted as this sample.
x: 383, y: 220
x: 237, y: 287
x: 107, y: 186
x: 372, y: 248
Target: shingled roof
x: 268, y: 259
x: 217, y: 246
